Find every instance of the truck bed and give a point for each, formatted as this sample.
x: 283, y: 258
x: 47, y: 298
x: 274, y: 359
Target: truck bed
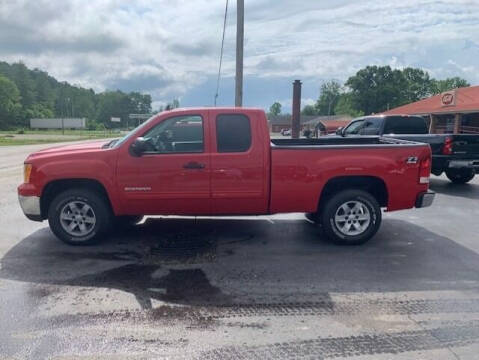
x: 464, y: 145
x: 300, y: 171
x: 340, y: 142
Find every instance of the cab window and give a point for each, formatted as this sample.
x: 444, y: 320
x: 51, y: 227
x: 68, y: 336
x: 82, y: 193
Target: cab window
x: 233, y: 133
x: 354, y: 128
x: 180, y: 134
x: 371, y: 126
x: 405, y: 125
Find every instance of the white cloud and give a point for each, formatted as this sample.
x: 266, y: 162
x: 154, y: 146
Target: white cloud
x: 169, y: 47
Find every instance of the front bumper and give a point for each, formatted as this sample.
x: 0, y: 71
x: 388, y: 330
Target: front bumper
x: 425, y: 199
x: 31, y: 207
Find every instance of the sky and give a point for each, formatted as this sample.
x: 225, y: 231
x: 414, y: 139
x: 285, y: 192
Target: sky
x: 170, y: 48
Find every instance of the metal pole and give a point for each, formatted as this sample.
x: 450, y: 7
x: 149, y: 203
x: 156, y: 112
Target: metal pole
x: 296, y: 119
x: 239, y: 53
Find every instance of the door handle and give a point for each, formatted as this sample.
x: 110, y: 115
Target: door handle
x: 193, y: 165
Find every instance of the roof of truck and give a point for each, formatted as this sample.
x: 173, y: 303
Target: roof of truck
x: 220, y: 108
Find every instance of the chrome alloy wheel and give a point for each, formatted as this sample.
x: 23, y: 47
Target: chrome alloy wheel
x: 77, y: 218
x: 352, y: 218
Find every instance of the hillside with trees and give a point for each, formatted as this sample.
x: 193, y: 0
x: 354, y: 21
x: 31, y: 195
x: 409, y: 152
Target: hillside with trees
x: 26, y: 94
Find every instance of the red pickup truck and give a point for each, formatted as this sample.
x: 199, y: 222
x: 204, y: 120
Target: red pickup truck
x: 221, y: 161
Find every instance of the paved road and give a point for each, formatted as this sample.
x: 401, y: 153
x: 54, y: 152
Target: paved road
x: 262, y: 288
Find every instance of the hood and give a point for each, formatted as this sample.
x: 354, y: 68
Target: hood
x: 71, y: 148
x: 75, y: 147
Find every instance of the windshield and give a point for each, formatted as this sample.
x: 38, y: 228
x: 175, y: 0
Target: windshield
x: 120, y: 141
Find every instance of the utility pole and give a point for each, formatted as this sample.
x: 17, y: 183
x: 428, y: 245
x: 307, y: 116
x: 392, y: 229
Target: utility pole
x: 239, y: 52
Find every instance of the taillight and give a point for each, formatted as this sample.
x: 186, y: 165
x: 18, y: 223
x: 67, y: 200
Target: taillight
x: 425, y: 170
x: 447, y: 149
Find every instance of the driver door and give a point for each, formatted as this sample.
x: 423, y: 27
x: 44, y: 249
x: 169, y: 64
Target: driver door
x: 173, y: 175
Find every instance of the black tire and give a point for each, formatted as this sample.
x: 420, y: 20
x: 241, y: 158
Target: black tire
x: 368, y: 207
x: 101, y: 213
x: 460, y: 176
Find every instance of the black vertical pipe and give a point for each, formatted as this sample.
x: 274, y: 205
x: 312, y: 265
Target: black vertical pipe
x: 296, y: 125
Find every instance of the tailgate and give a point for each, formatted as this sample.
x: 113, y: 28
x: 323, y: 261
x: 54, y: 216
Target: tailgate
x: 464, y: 144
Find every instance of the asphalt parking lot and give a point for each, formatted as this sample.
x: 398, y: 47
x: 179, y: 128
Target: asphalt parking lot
x: 229, y: 288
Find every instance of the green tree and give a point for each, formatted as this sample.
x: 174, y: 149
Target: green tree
x: 173, y: 105
x: 418, y: 84
x: 38, y: 110
x: 10, y: 105
x: 377, y: 88
x: 141, y: 103
x: 25, y: 84
x: 345, y: 106
x: 329, y: 96
x: 112, y: 104
x: 275, y: 109
x: 439, y: 86
x: 309, y: 110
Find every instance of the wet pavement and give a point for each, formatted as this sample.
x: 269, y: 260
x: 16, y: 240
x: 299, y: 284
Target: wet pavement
x: 242, y: 288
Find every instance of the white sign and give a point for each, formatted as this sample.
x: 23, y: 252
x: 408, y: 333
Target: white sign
x: 448, y: 98
x: 139, y: 116
x: 115, y: 119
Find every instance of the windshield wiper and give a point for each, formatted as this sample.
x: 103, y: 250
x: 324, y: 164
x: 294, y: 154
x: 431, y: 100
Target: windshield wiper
x: 110, y: 144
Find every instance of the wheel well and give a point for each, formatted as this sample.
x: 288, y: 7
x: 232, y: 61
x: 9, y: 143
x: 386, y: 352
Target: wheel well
x: 373, y: 185
x: 55, y: 187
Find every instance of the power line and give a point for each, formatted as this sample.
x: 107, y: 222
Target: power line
x: 221, y: 53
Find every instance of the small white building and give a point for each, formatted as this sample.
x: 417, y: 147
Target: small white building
x: 59, y: 123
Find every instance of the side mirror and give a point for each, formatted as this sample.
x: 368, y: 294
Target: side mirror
x: 339, y: 131
x: 138, y: 147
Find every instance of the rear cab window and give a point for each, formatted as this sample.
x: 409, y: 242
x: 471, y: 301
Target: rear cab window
x: 405, y: 125
x: 233, y: 133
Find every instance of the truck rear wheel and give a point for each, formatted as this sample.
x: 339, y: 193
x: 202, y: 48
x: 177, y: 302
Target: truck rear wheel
x: 351, y: 217
x: 460, y: 176
x: 79, y: 217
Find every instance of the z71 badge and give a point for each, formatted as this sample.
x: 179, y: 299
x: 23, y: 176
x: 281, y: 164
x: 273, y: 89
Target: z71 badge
x: 411, y: 160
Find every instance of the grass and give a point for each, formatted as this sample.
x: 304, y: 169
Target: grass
x: 9, y: 139
x: 76, y: 132
x: 11, y: 142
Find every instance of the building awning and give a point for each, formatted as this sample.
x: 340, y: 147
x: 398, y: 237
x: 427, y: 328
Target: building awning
x: 462, y: 100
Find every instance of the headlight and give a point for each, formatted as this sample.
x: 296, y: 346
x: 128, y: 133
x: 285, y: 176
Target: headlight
x: 27, y: 170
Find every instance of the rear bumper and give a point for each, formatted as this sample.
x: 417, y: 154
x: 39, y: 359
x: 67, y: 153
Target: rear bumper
x: 31, y: 207
x: 425, y: 199
x: 441, y: 163
x: 459, y: 164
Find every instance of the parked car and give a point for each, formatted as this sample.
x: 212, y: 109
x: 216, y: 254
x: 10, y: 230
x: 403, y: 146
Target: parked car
x: 286, y: 132
x: 455, y: 154
x: 221, y: 161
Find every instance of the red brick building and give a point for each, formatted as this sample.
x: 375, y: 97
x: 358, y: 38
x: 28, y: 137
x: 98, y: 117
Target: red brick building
x: 455, y: 111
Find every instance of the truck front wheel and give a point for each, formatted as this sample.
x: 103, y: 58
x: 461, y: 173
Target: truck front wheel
x: 79, y: 216
x: 460, y: 176
x: 351, y: 217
